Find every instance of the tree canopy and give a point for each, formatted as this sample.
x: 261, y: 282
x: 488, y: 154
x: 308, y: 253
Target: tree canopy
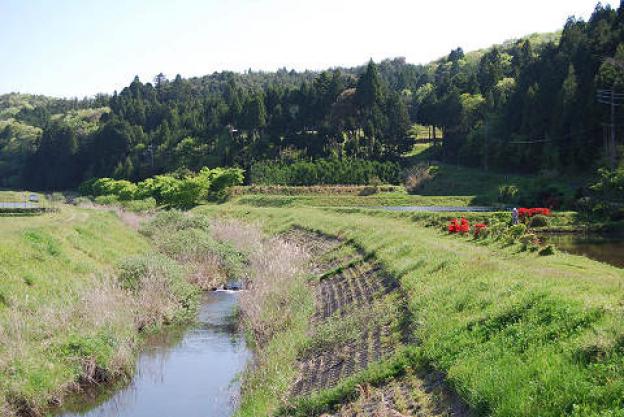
x: 524, y: 105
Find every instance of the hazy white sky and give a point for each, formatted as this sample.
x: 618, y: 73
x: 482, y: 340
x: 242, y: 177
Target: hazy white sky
x: 82, y: 47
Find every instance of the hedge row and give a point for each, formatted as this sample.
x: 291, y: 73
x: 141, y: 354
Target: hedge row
x: 325, y: 171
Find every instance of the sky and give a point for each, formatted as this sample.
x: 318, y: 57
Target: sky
x: 77, y: 48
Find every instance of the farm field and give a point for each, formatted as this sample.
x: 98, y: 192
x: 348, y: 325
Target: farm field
x: 381, y: 199
x: 448, y: 185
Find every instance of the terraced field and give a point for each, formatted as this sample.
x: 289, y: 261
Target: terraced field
x: 360, y: 320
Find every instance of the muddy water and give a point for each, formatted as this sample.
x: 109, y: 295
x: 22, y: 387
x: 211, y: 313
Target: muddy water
x: 189, y: 372
x: 607, y: 249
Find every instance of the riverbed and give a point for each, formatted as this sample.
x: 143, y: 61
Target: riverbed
x: 190, y: 372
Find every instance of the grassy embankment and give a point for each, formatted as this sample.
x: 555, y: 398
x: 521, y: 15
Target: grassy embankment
x: 79, y: 289
x: 53, y: 268
x: 516, y: 334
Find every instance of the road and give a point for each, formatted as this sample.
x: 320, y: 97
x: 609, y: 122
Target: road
x: 18, y: 204
x: 464, y: 209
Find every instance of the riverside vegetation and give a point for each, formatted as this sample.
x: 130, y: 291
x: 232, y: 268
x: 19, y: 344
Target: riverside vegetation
x: 79, y: 288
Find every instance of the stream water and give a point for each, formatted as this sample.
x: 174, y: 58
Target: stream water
x: 190, y: 372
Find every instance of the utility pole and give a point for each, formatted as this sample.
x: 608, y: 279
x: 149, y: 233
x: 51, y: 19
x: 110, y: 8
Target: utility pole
x: 613, y: 100
x: 612, y: 137
x: 485, y: 142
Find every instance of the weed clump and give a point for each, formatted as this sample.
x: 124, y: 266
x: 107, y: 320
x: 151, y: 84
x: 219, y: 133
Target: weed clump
x: 547, y: 250
x: 167, y: 222
x: 211, y: 262
x: 538, y: 220
x: 162, y: 294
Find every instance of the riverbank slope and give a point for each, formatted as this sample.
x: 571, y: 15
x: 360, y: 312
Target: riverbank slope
x: 514, y: 333
x: 62, y: 319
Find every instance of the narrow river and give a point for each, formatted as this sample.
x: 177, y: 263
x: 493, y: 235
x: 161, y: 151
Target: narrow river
x: 188, y: 372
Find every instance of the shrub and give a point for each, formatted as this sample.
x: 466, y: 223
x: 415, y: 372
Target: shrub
x: 525, y: 213
x: 162, y: 293
x: 479, y: 229
x: 370, y: 190
x: 538, y: 220
x: 146, y: 204
x: 610, y: 183
x: 107, y: 200
x: 417, y: 177
x: 220, y: 180
x: 212, y: 262
x: 124, y: 190
x: 180, y: 190
x: 516, y: 231
x: 174, y: 192
x: 459, y: 226
x: 547, y: 250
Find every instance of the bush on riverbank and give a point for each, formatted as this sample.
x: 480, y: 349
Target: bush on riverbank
x: 174, y: 190
x: 187, y: 239
x: 162, y: 294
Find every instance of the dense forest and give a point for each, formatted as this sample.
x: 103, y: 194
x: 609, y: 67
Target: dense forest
x: 526, y: 105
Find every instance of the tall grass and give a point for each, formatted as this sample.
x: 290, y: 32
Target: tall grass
x: 275, y: 309
x: 189, y: 240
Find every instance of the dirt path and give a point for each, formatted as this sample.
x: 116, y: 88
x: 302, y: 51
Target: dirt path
x: 360, y: 320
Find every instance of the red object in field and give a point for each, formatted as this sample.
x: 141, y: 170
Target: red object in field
x: 464, y: 226
x: 453, y: 226
x: 478, y: 228
x: 530, y: 212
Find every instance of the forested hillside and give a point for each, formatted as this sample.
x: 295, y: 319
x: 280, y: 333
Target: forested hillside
x: 522, y: 106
